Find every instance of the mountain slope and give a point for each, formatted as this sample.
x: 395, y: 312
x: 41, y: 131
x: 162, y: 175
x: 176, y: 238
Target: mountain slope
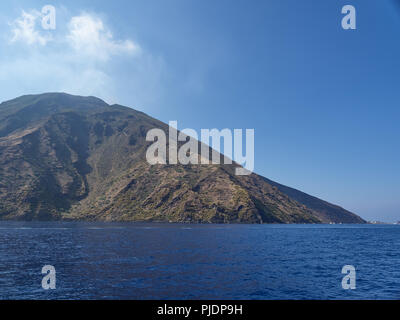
x: 70, y: 157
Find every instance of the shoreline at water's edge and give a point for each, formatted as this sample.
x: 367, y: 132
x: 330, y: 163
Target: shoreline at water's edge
x: 186, y: 222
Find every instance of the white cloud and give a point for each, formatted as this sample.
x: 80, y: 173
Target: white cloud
x: 24, y: 29
x: 81, y: 57
x: 88, y: 36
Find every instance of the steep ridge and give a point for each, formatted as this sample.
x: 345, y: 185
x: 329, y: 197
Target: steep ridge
x: 78, y: 158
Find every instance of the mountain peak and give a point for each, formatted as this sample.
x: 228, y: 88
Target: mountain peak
x: 60, y: 97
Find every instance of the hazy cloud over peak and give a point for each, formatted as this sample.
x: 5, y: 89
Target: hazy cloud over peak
x: 24, y: 29
x: 88, y: 35
x: 81, y: 56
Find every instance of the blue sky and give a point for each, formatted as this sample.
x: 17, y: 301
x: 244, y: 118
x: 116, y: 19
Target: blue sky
x: 324, y: 102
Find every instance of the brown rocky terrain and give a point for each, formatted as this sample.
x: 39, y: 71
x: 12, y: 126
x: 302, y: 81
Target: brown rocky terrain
x: 65, y: 157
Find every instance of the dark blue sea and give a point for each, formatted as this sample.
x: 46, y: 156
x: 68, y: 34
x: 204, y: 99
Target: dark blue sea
x: 175, y: 261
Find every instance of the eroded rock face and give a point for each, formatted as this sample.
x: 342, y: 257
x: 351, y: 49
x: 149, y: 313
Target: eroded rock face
x: 70, y: 157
